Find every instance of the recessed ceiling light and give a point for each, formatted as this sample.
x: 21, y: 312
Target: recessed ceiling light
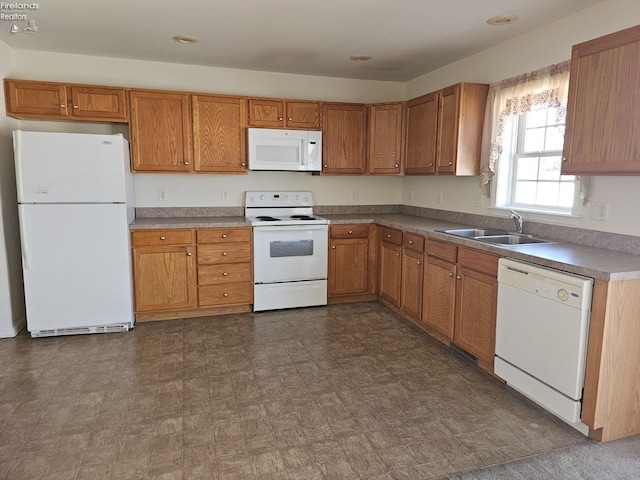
x: 360, y: 58
x: 185, y: 39
x: 502, y: 19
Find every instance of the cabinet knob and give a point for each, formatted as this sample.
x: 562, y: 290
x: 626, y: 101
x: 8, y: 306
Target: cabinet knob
x: 243, y: 164
x: 419, y: 262
x: 225, y: 294
x: 163, y: 238
x: 410, y: 242
x: 76, y: 107
x: 564, y: 159
x: 396, y: 165
x: 458, y: 277
x: 290, y: 119
x: 186, y: 163
x: 450, y: 274
x: 431, y: 164
x: 388, y: 235
x: 350, y: 232
x: 325, y: 165
x: 224, y: 254
x: 188, y: 254
x: 450, y: 163
x: 225, y: 274
x: 397, y: 254
x: 280, y: 118
x: 62, y: 105
x: 224, y: 235
x: 333, y: 247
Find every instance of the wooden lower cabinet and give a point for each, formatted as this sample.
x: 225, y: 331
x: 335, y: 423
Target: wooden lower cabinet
x: 169, y: 284
x: 390, y: 266
x: 439, y: 295
x: 350, y: 259
x: 412, y: 275
x: 163, y: 270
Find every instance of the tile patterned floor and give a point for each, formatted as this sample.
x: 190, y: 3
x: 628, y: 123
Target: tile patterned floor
x: 342, y: 392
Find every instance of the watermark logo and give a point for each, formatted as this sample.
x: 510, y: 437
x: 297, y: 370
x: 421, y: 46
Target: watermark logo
x: 17, y: 14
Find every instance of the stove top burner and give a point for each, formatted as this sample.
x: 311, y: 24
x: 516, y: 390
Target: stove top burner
x: 302, y: 217
x: 266, y: 218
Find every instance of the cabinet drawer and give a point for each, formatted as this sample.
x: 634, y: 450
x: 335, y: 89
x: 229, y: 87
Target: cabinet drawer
x: 224, y: 253
x: 391, y: 235
x: 445, y: 251
x: 141, y: 238
x: 478, y: 261
x: 349, y: 231
x: 229, y: 294
x: 413, y: 242
x: 223, y: 274
x: 223, y: 235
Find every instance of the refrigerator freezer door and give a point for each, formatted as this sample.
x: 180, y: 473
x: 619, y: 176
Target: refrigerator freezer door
x: 76, y: 264
x: 70, y: 168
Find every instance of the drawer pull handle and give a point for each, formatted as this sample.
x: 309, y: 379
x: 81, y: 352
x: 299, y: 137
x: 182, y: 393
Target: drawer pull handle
x: 225, y: 294
x: 225, y: 274
x: 224, y: 235
x: 224, y: 254
x: 163, y: 238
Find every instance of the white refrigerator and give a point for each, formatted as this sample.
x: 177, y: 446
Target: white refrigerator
x: 75, y: 203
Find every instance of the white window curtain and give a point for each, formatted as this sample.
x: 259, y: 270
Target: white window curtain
x: 544, y: 88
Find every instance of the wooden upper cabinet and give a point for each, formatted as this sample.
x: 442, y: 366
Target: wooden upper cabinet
x: 303, y: 115
x: 219, y: 134
x: 344, y: 133
x: 386, y: 129
x: 602, y: 133
x: 56, y: 101
x: 275, y: 113
x: 422, y: 134
x: 460, y: 121
x: 160, y: 128
x: 91, y: 103
x: 444, y: 133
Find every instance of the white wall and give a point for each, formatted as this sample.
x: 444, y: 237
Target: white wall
x: 11, y: 293
x: 536, y: 49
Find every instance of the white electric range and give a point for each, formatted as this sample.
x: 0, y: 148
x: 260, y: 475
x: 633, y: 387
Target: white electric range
x: 290, y: 250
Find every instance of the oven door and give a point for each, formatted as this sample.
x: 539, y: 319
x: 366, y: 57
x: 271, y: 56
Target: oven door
x: 290, y: 253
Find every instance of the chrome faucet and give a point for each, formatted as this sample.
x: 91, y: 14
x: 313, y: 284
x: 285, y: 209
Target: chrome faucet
x: 517, y: 218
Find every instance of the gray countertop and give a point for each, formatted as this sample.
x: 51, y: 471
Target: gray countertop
x: 592, y: 262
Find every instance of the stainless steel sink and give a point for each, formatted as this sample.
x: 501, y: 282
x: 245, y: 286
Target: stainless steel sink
x: 496, y: 237
x: 509, y: 239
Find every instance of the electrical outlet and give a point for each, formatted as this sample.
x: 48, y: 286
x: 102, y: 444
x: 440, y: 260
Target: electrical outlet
x: 599, y: 211
x: 162, y: 194
x: 354, y: 193
x: 439, y: 197
x: 224, y: 194
x: 477, y: 199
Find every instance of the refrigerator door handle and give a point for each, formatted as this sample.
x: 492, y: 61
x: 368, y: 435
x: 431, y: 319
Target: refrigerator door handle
x: 23, y: 241
x: 17, y: 152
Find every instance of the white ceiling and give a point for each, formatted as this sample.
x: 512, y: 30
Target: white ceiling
x: 406, y: 38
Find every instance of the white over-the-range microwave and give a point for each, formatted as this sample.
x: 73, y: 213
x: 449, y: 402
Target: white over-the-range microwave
x: 285, y: 150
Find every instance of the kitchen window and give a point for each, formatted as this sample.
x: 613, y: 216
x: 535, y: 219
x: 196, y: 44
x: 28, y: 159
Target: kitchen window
x: 522, y: 144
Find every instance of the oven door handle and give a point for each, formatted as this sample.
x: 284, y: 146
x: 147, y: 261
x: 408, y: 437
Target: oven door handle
x: 291, y: 228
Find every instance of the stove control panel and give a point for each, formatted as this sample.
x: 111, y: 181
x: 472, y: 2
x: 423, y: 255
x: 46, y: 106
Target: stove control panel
x: 279, y: 199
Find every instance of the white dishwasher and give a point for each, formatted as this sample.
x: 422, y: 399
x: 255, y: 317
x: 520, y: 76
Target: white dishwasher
x: 541, y: 335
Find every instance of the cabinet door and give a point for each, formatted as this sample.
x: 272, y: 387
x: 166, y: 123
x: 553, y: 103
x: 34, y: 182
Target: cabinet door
x: 422, y: 134
x: 160, y: 131
x: 219, y: 134
x: 603, y: 110
x: 163, y: 278
x: 386, y: 122
x: 411, y: 291
x: 36, y: 99
x: 349, y: 266
x: 475, y: 318
x: 438, y: 306
x: 303, y: 115
x: 99, y: 103
x: 266, y: 113
x: 390, y: 272
x: 448, y: 115
x: 343, y: 138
